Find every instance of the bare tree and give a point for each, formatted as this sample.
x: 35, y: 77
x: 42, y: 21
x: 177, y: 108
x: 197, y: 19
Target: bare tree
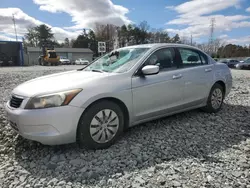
x: 106, y: 33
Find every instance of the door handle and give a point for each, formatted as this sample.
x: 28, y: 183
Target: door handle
x: 208, y: 70
x: 177, y: 76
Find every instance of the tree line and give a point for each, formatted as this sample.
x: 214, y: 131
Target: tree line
x: 127, y: 35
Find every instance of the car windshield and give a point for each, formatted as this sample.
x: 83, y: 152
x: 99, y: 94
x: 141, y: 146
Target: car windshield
x: 118, y: 61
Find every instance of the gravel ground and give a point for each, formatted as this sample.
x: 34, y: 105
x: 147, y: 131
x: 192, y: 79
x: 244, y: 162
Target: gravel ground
x: 191, y: 149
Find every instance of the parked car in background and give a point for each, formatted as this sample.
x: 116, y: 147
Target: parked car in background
x: 95, y: 104
x: 81, y: 61
x: 64, y: 61
x: 5, y: 60
x: 245, y: 64
x: 229, y: 62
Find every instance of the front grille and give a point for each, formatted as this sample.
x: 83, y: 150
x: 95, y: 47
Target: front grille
x: 15, y: 102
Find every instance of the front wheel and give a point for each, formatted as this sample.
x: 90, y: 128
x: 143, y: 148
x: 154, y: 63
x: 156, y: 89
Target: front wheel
x: 215, y: 99
x: 100, y: 126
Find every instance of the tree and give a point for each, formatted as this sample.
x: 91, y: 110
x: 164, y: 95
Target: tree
x: 81, y: 41
x: 123, y: 36
x: 71, y: 43
x: 36, y: 36
x: 31, y: 38
x: 56, y: 44
x: 44, y: 34
x: 176, y: 39
x: 93, y: 42
x: 66, y: 42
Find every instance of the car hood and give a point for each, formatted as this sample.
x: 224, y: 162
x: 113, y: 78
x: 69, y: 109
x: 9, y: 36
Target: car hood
x: 57, y: 82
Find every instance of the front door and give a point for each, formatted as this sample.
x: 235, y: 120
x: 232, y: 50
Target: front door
x: 154, y: 95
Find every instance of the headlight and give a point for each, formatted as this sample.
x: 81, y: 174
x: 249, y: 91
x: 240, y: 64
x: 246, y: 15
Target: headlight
x: 52, y: 100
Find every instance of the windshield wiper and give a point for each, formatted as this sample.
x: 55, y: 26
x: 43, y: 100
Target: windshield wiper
x: 96, y: 70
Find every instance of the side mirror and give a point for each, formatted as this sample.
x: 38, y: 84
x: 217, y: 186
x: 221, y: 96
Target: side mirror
x: 150, y: 69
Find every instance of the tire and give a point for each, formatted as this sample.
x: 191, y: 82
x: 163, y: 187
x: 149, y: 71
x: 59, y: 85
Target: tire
x: 87, y: 135
x: 212, y: 107
x: 44, y: 63
x: 238, y: 67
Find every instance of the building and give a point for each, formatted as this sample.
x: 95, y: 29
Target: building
x: 71, y: 53
x: 11, y: 53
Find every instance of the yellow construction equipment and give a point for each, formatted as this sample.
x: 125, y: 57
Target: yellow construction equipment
x: 49, y: 57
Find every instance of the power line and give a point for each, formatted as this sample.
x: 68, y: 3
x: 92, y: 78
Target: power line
x: 14, y: 22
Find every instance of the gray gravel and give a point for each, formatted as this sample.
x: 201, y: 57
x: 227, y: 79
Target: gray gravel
x: 191, y: 149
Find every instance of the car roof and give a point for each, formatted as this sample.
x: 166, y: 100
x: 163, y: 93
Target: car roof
x: 158, y: 45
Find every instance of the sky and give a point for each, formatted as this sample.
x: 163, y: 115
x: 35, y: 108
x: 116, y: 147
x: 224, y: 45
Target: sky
x: 67, y: 18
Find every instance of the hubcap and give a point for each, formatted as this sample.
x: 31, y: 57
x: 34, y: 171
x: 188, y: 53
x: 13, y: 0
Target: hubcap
x: 104, y: 126
x: 216, y: 98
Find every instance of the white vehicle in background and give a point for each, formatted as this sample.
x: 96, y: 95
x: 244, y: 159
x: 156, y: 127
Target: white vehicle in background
x: 81, y: 61
x: 64, y: 61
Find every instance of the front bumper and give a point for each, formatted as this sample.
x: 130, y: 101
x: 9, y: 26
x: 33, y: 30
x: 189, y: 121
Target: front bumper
x: 51, y: 126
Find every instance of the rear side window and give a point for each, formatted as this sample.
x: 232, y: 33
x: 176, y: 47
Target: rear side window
x: 192, y: 58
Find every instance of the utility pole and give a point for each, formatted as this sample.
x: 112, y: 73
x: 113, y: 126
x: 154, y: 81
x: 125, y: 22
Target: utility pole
x: 191, y: 40
x: 14, y: 22
x: 211, y: 39
x: 249, y: 50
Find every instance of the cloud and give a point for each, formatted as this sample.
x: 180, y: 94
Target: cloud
x: 6, y: 38
x: 170, y: 7
x: 196, y: 17
x: 248, y: 9
x: 240, y: 41
x: 203, y: 7
x: 24, y: 21
x: 224, y: 36
x: 85, y: 13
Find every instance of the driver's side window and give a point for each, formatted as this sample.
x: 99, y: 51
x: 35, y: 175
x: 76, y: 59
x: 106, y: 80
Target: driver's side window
x: 164, y: 58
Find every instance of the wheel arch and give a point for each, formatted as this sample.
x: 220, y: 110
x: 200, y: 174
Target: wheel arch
x: 223, y: 85
x: 120, y: 103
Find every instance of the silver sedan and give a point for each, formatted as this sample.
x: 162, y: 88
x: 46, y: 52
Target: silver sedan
x: 94, y: 105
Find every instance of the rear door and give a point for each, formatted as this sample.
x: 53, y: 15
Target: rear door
x: 197, y: 75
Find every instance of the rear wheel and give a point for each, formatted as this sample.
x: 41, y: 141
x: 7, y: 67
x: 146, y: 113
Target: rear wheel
x: 215, y: 99
x: 100, y: 126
